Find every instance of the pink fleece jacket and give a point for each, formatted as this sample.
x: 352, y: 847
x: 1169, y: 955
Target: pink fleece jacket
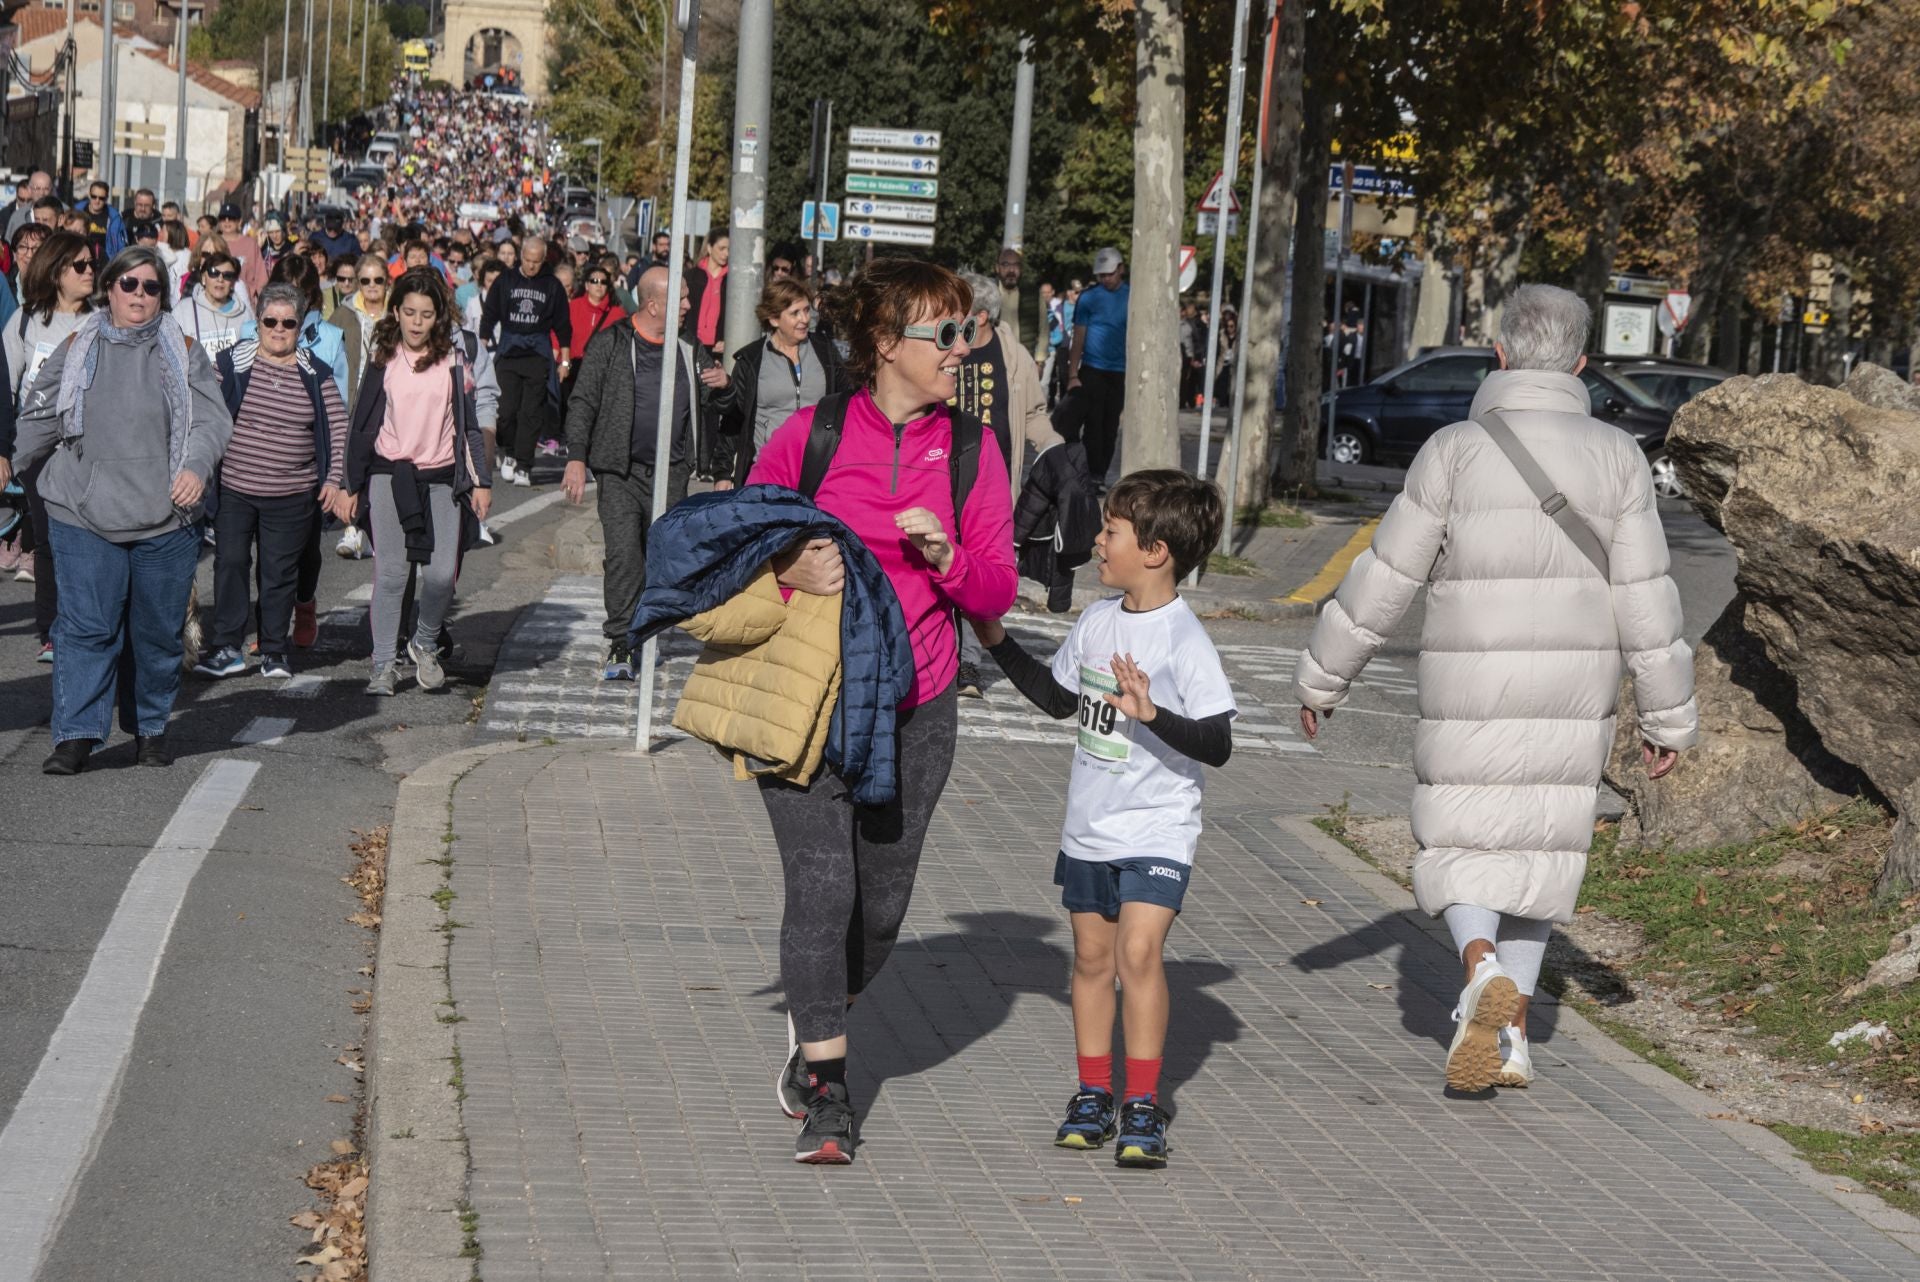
x: 883, y: 469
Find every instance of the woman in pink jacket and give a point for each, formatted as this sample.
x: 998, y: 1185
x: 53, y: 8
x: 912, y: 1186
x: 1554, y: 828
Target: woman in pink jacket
x: 849, y: 869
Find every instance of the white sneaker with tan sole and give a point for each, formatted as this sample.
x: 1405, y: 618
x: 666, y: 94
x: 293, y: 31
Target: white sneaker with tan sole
x: 1488, y: 1004
x: 1516, y: 1065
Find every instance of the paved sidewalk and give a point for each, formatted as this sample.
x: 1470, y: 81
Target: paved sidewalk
x: 617, y: 975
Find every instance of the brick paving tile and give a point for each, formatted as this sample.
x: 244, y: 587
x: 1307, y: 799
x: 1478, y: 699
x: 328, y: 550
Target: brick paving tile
x: 618, y: 973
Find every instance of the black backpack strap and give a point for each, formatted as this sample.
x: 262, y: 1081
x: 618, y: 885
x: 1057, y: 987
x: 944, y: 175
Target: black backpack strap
x: 963, y: 468
x: 823, y: 442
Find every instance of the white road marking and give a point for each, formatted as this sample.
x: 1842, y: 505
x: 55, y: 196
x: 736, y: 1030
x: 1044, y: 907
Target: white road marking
x: 364, y: 592
x: 532, y: 507
x: 56, y: 1127
x: 264, y: 731
x: 305, y: 685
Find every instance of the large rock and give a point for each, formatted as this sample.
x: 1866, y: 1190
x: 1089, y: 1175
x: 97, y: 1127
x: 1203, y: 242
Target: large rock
x: 1819, y: 492
x: 1882, y: 388
x: 1759, y: 766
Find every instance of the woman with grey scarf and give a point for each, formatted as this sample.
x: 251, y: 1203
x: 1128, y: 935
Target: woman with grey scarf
x: 128, y: 414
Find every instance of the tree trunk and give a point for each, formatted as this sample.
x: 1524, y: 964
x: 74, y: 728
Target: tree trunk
x: 1267, y: 315
x: 1297, y: 466
x: 1603, y: 246
x: 1150, y: 424
x: 1489, y: 283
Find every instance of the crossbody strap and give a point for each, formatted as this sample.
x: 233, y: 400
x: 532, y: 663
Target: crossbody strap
x: 1552, y: 501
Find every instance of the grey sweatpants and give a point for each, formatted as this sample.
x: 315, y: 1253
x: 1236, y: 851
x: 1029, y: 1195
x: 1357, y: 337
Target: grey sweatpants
x: 390, y: 568
x: 626, y: 510
x: 849, y: 870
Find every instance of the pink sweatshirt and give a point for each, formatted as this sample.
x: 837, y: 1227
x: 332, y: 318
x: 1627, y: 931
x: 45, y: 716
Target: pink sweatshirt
x: 419, y: 421
x: 882, y: 470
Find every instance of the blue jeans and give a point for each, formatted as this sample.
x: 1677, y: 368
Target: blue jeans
x: 121, y: 609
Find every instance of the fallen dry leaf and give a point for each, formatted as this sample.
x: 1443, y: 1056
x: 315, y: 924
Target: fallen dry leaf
x: 1311, y: 903
x: 342, y: 1147
x: 1700, y: 895
x: 1381, y: 987
x: 1723, y: 1117
x: 336, y: 1099
x: 1071, y: 1201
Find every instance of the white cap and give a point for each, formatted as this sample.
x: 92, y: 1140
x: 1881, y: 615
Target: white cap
x: 1106, y: 260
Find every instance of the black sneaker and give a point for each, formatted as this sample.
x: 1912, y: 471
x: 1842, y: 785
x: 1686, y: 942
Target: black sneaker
x: 827, y: 1138
x: 967, y: 684
x: 795, y: 1083
x: 1089, y: 1123
x: 1060, y: 597
x: 1143, y: 1135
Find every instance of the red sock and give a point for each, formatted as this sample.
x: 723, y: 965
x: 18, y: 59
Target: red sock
x: 1143, y: 1079
x: 1097, y: 1070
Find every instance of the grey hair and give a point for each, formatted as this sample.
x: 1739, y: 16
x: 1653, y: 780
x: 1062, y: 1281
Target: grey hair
x: 986, y: 294
x: 282, y: 292
x: 1545, y: 327
x: 129, y: 259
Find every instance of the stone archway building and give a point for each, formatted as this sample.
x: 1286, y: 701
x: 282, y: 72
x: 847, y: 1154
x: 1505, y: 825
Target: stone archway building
x: 525, y: 19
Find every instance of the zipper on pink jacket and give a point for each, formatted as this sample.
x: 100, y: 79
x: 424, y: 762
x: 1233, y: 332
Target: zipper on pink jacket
x: 899, y: 434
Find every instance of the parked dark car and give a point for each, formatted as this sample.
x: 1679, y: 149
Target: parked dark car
x: 1389, y: 419
x: 1672, y: 383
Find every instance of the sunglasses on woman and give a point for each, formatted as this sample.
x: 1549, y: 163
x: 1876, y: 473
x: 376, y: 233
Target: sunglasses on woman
x: 279, y: 322
x: 222, y: 273
x: 84, y: 266
x: 946, y: 332
x: 597, y: 280
x: 344, y: 278
x: 128, y: 285
x: 373, y: 280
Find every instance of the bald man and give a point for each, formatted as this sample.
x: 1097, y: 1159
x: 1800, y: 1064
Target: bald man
x: 20, y: 212
x: 613, y: 422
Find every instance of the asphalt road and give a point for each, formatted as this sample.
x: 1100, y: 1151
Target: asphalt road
x: 198, y: 1158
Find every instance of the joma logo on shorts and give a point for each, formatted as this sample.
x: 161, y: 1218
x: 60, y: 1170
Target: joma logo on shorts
x: 1158, y: 871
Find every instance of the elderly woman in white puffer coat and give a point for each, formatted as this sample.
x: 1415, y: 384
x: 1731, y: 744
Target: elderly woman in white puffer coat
x: 1520, y: 666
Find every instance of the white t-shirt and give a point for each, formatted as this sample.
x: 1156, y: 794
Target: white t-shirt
x: 1130, y: 795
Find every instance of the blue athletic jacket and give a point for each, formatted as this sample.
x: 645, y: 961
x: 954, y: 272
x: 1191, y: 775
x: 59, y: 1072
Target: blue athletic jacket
x: 706, y: 550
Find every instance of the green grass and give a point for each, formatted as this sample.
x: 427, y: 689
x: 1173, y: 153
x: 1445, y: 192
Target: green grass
x: 1232, y: 566
x: 469, y: 1231
x: 1887, y: 1164
x: 1276, y: 516
x: 1770, y: 934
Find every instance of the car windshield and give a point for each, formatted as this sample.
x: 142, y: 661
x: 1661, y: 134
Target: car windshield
x: 1600, y: 386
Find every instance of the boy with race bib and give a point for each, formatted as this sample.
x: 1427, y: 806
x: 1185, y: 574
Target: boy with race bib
x: 1154, y: 707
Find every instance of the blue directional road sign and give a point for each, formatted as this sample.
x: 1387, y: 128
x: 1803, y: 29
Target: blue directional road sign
x: 829, y: 221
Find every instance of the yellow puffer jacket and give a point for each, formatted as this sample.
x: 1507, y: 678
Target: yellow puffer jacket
x: 764, y: 687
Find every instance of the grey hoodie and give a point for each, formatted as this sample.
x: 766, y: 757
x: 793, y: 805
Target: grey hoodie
x: 114, y: 480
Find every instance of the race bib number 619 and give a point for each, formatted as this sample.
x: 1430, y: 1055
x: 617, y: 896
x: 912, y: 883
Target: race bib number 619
x: 1103, y: 731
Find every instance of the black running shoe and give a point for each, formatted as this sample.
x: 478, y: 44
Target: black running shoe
x: 1143, y: 1135
x: 827, y: 1138
x: 967, y: 684
x: 795, y: 1083
x: 1089, y: 1121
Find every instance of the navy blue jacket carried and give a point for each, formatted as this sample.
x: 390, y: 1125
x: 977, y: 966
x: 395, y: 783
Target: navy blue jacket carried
x: 706, y: 550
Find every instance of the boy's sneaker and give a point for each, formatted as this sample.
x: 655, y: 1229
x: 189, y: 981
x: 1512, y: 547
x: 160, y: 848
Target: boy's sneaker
x: 486, y: 535
x: 523, y: 477
x: 275, y: 665
x: 794, y: 1083
x: 426, y: 666
x: 224, y: 662
x: 1487, y: 1005
x: 827, y: 1138
x: 967, y: 684
x: 46, y: 653
x: 353, y: 543
x: 1142, y: 1139
x: 1090, y: 1118
x: 506, y: 471
x: 619, y: 667
x: 1516, y: 1065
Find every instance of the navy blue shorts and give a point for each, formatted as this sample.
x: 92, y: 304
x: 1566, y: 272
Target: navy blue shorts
x: 1090, y: 887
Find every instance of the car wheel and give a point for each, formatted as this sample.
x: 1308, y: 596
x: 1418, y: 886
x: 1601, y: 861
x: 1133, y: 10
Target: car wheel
x: 1666, y: 477
x: 1348, y: 446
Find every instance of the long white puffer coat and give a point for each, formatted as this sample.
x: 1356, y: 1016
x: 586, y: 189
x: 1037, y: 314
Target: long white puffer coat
x: 1521, y: 662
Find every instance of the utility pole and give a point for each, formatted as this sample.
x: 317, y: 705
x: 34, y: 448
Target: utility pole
x: 366, y: 25
x: 70, y: 52
x: 306, y: 78
x: 1016, y: 223
x: 1229, y: 172
x: 752, y: 106
x: 687, y: 19
x: 1246, y: 291
x: 820, y: 165
x: 180, y: 119
x: 104, y: 152
x: 286, y: 102
x: 326, y: 77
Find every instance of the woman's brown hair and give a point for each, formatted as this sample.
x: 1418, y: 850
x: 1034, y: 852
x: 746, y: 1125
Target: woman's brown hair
x: 298, y: 271
x: 780, y: 295
x: 40, y: 287
x: 386, y: 330
x: 885, y: 298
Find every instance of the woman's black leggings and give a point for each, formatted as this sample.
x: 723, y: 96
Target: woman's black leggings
x: 849, y: 870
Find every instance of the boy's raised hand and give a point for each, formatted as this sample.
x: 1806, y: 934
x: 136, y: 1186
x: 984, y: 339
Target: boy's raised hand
x: 990, y: 631
x: 1133, y: 701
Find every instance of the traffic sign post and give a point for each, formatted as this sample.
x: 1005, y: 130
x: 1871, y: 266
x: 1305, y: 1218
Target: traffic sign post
x: 825, y: 227
x: 899, y: 168
x: 1189, y: 266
